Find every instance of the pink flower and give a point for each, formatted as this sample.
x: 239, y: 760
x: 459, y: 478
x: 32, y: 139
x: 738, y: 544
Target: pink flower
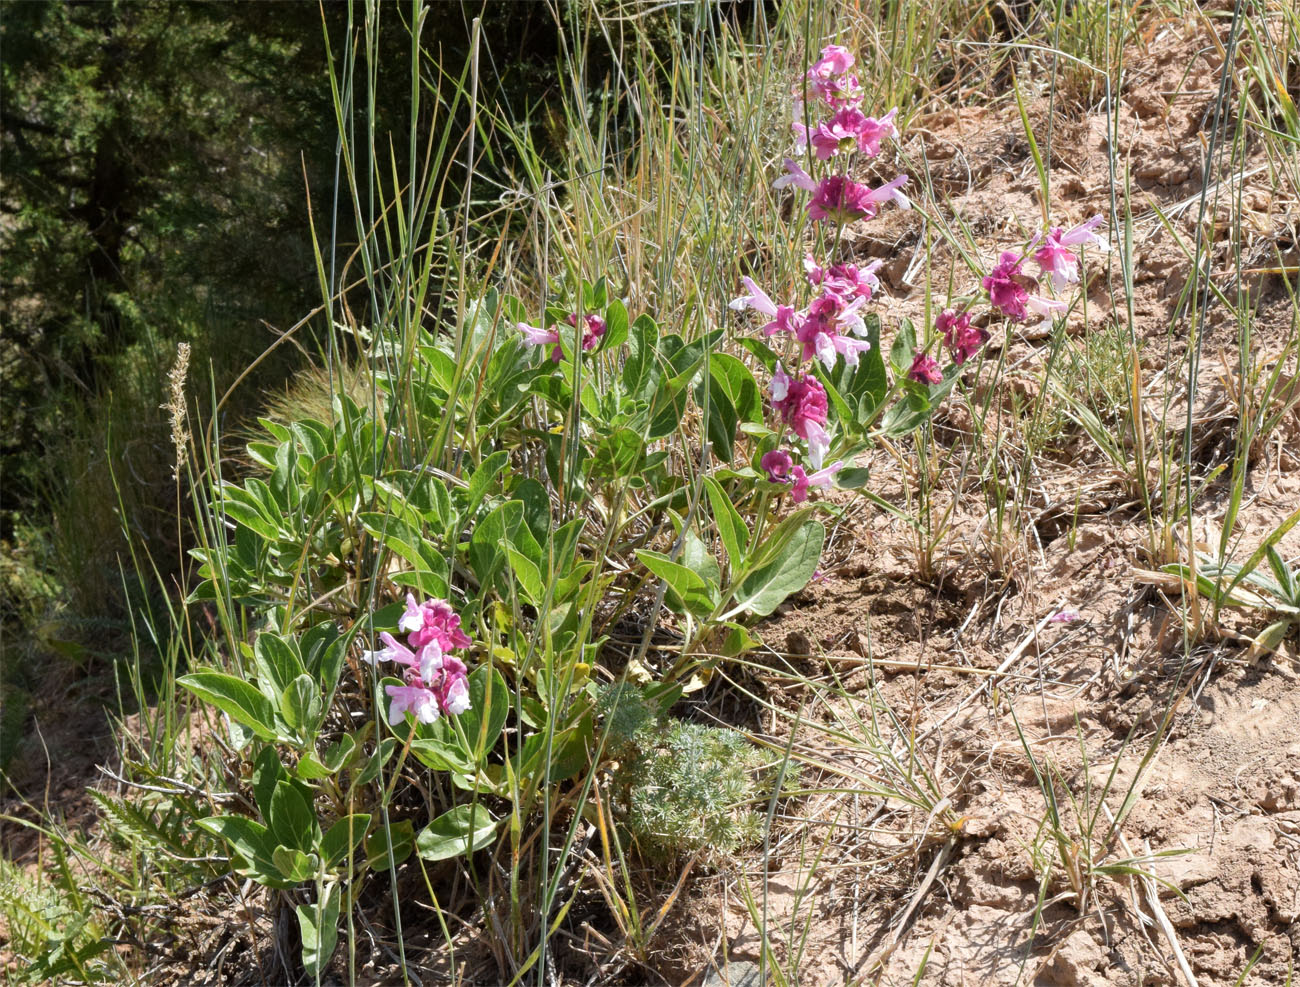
x: 875, y: 129
x: 393, y: 650
x: 821, y: 332
x: 439, y: 624
x: 420, y: 702
x: 1064, y: 617
x: 838, y: 134
x: 1056, y: 258
x: 777, y: 464
x: 541, y: 337
x: 841, y: 92
x: 796, y: 176
x: 801, y: 403
x: 1006, y: 286
x: 784, y: 317
x: 850, y: 128
x: 963, y: 339
x: 844, y: 200
x: 803, y: 481
x: 1048, y: 308
x: 924, y: 370
x: 593, y: 327
x: 846, y: 280
x: 439, y: 684
x: 452, y: 687
x: 835, y: 60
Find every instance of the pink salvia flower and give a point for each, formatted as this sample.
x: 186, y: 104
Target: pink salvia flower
x: 873, y: 130
x: 452, y: 686
x: 1006, y: 286
x: 802, y: 405
x: 963, y: 339
x: 838, y: 134
x: 777, y: 465
x: 841, y: 199
x: 850, y: 128
x: 593, y: 327
x: 822, y: 331
x: 420, y: 702
x: 757, y: 299
x: 924, y: 370
x: 784, y: 317
x: 844, y: 200
x: 1057, y: 259
x: 393, y: 650
x: 1048, y: 308
x: 541, y: 337
x: 846, y: 280
x: 839, y: 92
x: 412, y: 618
x: 440, y: 624
x: 804, y: 481
x: 796, y: 176
x: 835, y: 60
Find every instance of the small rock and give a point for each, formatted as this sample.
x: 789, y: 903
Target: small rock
x: 737, y: 973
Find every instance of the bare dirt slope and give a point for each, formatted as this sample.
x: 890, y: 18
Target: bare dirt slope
x: 1215, y: 810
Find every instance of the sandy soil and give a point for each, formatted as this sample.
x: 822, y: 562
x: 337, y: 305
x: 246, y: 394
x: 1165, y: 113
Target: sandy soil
x: 1216, y: 816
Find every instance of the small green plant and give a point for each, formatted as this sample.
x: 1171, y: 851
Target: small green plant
x: 1275, y: 592
x: 52, y: 928
x: 682, y: 787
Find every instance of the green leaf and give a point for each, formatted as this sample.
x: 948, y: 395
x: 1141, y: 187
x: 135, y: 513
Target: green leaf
x: 764, y: 353
x: 292, y: 821
x: 638, y: 369
x: 537, y: 507
x: 300, y: 705
x: 482, y: 481
x: 293, y: 864
x: 907, y: 414
x: 731, y: 526
x: 903, y: 348
x: 267, y: 773
x: 688, y: 590
x: 370, y: 770
x: 441, y: 754
x: 485, y: 719
x: 697, y: 557
x: 319, y: 925
x: 402, y: 836
x: 722, y: 417
x: 738, y: 641
x: 618, y: 454
x: 735, y: 380
x: 527, y: 576
x: 461, y: 830
x: 345, y: 834
x: 236, y: 698
x: 247, y: 837
x: 277, y: 665
x: 487, y: 554
x: 615, y: 325
x: 784, y: 567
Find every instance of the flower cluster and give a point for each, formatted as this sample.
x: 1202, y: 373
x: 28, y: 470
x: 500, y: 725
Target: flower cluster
x: 1014, y: 294
x: 435, y: 681
x: 593, y: 328
x: 831, y: 325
